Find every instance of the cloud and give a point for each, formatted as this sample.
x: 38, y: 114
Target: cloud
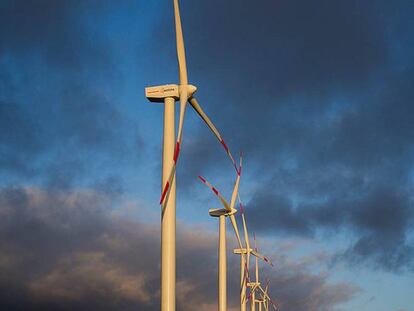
x: 58, y: 125
x: 320, y: 103
x: 53, y: 30
x: 70, y: 250
x: 56, y: 142
x: 378, y: 216
x: 19, y: 138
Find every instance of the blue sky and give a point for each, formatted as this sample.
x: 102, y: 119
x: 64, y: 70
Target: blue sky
x: 318, y: 96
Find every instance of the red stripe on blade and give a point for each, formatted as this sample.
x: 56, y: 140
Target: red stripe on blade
x: 268, y: 261
x: 176, y: 151
x: 215, y: 191
x: 224, y: 145
x: 202, y: 179
x: 241, y: 208
x: 167, y: 185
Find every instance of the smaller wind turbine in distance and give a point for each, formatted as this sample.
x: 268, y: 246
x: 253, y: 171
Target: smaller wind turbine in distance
x: 256, y: 284
x: 263, y: 302
x: 222, y: 213
x: 266, y: 298
x: 245, y: 260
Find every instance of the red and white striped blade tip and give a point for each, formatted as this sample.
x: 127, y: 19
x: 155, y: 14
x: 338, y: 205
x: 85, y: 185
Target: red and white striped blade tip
x: 268, y: 261
x: 164, y: 192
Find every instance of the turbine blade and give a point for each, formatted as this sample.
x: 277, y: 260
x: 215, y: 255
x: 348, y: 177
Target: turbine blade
x: 248, y: 259
x: 247, y: 272
x: 246, y: 234
x: 246, y: 279
x: 216, y: 192
x: 236, y: 230
x: 210, y: 124
x: 249, y: 296
x: 167, y: 187
x: 257, y: 269
x: 182, y: 66
x: 255, y: 242
x: 275, y: 306
x: 263, y: 292
x: 183, y: 106
x: 236, y: 187
x: 264, y: 258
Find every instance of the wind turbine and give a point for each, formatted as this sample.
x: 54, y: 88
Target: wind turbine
x: 256, y: 284
x: 245, y: 260
x: 222, y: 213
x: 169, y: 94
x: 265, y: 298
x: 264, y: 301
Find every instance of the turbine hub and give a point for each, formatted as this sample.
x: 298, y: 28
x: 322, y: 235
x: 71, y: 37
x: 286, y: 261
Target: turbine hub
x: 191, y: 89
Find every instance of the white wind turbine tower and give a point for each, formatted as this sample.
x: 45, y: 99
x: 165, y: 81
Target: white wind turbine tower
x: 222, y: 213
x: 169, y: 94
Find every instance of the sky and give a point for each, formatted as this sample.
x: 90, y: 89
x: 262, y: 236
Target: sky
x: 316, y: 94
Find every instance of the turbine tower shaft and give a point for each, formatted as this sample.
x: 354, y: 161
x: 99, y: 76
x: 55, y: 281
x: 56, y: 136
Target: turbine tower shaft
x: 168, y: 222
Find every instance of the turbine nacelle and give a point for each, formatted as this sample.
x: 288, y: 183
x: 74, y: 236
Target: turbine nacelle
x: 253, y: 284
x: 240, y: 251
x: 157, y: 94
x: 217, y: 212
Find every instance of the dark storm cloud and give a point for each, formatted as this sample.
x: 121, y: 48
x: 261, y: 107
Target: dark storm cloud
x: 358, y: 177
x: 282, y: 69
x: 302, y: 291
x: 53, y: 29
x: 286, y: 46
x: 19, y: 138
x: 318, y: 96
x: 68, y: 250
x: 384, y: 219
x: 56, y: 140
x: 336, y: 54
x: 57, y: 125
x: 380, y: 219
x: 65, y: 250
